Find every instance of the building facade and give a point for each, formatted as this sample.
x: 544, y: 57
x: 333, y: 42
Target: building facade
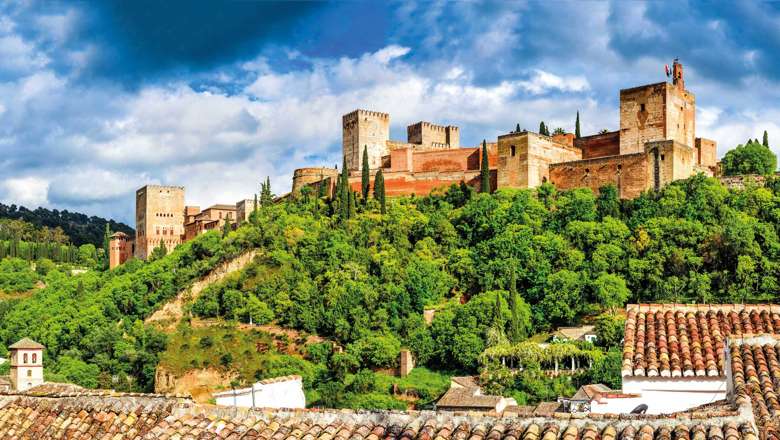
x: 159, y: 218
x: 120, y: 248
x: 26, y: 364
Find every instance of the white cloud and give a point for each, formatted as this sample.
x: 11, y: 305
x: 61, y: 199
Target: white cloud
x: 543, y: 82
x: 29, y: 191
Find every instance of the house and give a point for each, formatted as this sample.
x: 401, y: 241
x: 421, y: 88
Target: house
x: 599, y: 398
x: 581, y: 333
x: 278, y: 392
x: 26, y: 364
x: 466, y: 395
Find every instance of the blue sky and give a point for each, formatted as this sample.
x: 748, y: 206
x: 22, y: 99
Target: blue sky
x: 98, y: 99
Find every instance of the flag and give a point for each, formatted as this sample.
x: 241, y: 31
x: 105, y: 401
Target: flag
x: 666, y: 66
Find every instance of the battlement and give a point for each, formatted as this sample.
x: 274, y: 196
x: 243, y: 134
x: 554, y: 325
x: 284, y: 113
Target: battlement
x: 351, y: 116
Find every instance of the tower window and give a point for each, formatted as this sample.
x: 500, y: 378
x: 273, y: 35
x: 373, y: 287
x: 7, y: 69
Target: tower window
x: 35, y: 358
x: 641, y: 107
x: 514, y: 150
x: 24, y: 358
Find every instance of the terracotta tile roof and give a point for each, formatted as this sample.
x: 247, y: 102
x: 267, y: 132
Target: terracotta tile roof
x: 26, y: 344
x: 465, y: 381
x: 678, y: 340
x: 575, y: 333
x: 467, y: 398
x: 120, y: 417
x: 755, y: 370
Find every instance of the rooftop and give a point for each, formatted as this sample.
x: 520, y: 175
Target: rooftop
x: 26, y: 344
x: 680, y: 340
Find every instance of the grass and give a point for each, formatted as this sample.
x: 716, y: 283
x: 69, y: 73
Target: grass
x: 252, y: 354
x: 428, y: 385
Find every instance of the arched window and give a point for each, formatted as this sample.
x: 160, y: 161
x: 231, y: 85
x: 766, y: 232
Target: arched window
x: 35, y: 358
x: 24, y: 358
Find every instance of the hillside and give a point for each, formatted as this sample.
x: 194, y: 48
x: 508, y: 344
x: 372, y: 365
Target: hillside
x: 496, y: 268
x: 79, y: 228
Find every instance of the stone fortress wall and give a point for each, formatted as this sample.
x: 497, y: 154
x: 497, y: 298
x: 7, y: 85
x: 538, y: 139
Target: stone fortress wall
x: 656, y: 144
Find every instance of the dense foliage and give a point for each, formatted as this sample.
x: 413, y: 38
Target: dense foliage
x: 91, y: 324
x: 572, y: 254
x: 80, y: 228
x: 751, y: 158
x: 495, y: 268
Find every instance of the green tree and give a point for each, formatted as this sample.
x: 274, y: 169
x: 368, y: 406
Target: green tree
x: 379, y: 190
x: 106, y: 246
x: 609, y: 330
x: 226, y: 226
x: 766, y: 139
x: 577, y: 133
x: 610, y: 291
x: 364, y: 175
x: 608, y: 202
x: 559, y: 130
x: 607, y: 369
x: 160, y: 251
x: 517, y: 128
x: 484, y: 170
x: 266, y: 196
x: 543, y: 129
x: 750, y: 158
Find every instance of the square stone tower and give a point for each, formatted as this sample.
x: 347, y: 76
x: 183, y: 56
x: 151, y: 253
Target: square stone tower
x: 365, y: 129
x: 657, y: 112
x: 159, y: 216
x: 26, y: 364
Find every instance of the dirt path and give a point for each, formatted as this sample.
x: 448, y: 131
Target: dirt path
x: 171, y: 313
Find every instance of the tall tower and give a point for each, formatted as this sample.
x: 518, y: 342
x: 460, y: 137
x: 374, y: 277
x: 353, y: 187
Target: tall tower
x: 657, y: 112
x: 118, y: 249
x: 26, y: 364
x: 365, y: 129
x: 159, y: 217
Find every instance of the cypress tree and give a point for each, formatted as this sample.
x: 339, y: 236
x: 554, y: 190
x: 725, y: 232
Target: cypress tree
x: 344, y: 191
x: 577, y: 126
x: 106, y: 244
x: 517, y: 128
x: 542, y: 128
x: 766, y: 139
x: 484, y: 170
x: 321, y: 187
x: 379, y: 190
x: 226, y: 226
x: 514, y: 325
x: 498, y: 321
x: 365, y: 177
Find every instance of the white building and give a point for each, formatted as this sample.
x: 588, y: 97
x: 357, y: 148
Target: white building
x: 26, y: 364
x: 278, y: 392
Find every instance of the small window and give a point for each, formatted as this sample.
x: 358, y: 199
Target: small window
x: 514, y: 150
x: 641, y: 107
x: 24, y: 358
x: 29, y: 373
x: 35, y: 358
x: 662, y: 157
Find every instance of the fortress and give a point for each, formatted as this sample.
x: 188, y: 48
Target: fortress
x: 656, y: 144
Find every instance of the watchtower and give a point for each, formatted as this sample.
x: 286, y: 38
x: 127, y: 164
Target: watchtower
x: 365, y: 129
x: 26, y: 364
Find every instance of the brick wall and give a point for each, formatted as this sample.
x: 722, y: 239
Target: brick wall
x: 524, y: 159
x: 706, y: 152
x: 599, y: 145
x: 629, y: 174
x: 642, y: 116
x: 159, y: 215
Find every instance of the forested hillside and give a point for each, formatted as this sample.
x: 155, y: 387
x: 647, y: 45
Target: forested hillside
x: 79, y: 228
x: 496, y: 268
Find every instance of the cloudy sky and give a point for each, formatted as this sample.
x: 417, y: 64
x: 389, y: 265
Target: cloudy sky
x: 98, y: 99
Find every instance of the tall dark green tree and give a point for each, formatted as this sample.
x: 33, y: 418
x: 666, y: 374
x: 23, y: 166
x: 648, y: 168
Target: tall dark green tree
x: 266, y: 196
x: 766, y: 139
x: 226, y: 228
x: 379, y: 190
x: 542, y: 128
x: 484, y: 170
x: 514, y: 325
x: 106, y: 245
x: 343, y: 191
x: 577, y: 133
x: 365, y: 176
x: 321, y: 187
x: 517, y: 128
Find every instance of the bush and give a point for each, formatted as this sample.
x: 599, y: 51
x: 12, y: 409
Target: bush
x: 363, y: 382
x: 206, y: 342
x: 376, y: 351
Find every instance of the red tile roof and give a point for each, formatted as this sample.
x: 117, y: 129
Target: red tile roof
x: 755, y: 370
x: 106, y: 415
x: 679, y: 340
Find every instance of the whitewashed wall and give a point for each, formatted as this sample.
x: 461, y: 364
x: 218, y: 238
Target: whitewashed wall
x: 287, y: 394
x: 664, y: 395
